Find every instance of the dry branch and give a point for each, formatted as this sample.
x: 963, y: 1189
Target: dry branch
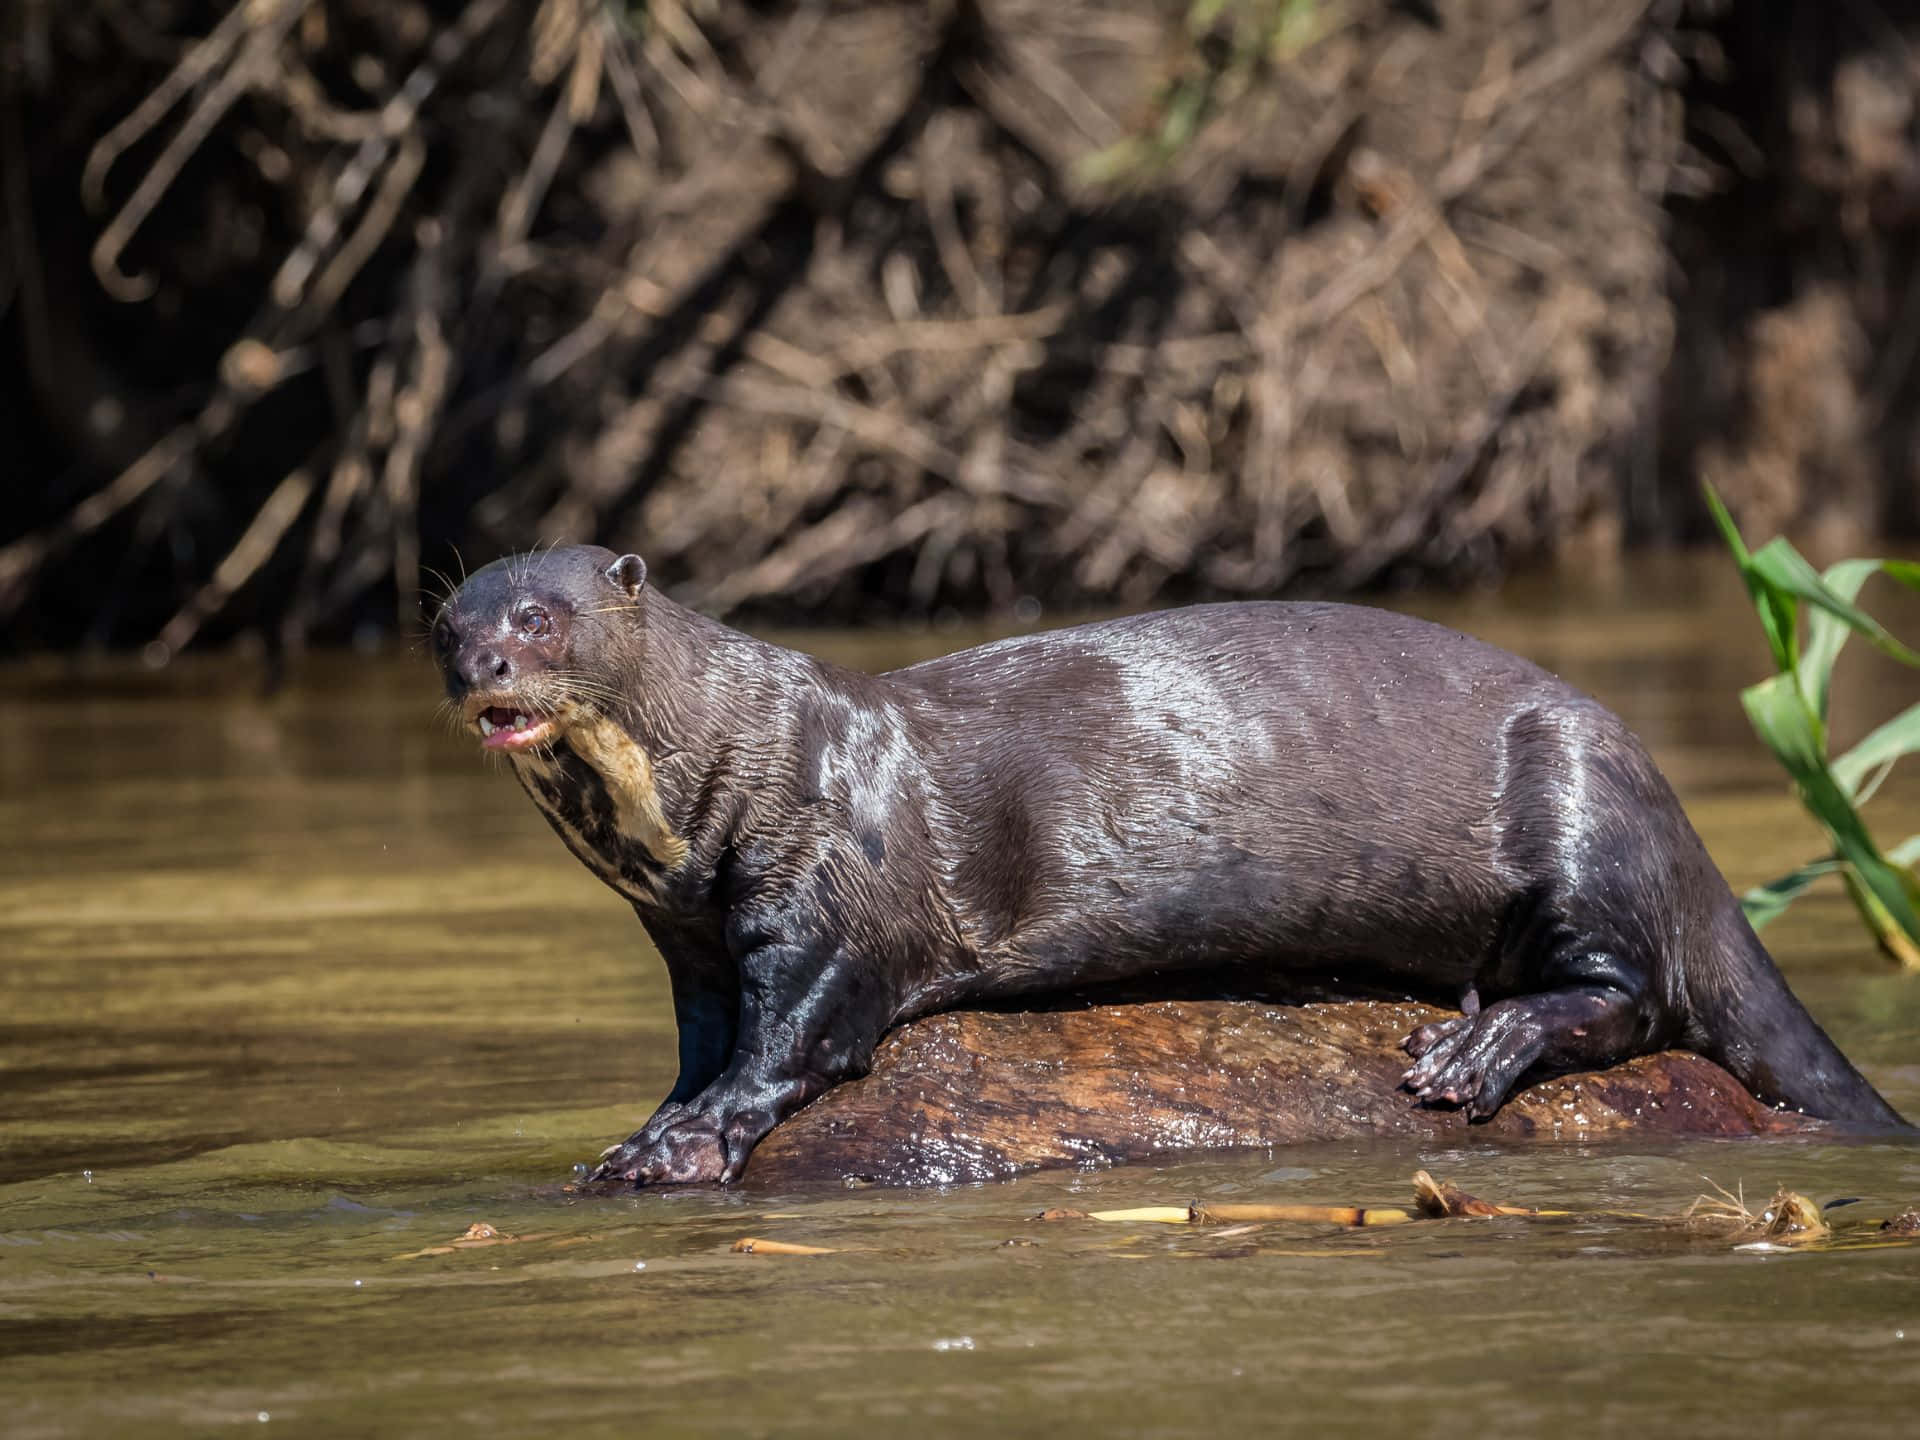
x: 818, y: 304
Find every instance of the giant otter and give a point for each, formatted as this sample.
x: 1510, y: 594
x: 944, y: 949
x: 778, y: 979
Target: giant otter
x: 820, y: 854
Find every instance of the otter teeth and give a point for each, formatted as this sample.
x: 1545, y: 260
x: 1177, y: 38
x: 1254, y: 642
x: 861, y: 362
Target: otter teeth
x: 509, y: 727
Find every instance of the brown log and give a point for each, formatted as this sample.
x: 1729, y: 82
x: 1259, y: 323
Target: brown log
x: 978, y: 1096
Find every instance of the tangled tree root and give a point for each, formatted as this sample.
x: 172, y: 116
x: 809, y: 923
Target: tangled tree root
x: 943, y: 305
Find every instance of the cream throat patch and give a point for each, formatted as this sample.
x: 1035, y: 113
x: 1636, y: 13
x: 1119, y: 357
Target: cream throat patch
x: 626, y: 770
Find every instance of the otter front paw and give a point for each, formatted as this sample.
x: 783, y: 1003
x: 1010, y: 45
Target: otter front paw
x: 690, y: 1153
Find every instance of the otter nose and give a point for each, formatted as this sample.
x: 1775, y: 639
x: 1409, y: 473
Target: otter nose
x: 482, y: 669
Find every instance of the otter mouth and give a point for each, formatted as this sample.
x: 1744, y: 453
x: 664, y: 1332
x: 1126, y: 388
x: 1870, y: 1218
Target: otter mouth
x: 512, y: 726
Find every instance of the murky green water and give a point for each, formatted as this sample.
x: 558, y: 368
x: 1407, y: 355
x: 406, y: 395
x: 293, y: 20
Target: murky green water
x: 294, y: 989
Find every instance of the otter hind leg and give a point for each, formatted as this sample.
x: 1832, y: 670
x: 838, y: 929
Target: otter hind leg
x: 1474, y: 1060
x: 1591, y: 841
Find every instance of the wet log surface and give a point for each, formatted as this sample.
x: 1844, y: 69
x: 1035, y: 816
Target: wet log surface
x: 985, y: 1095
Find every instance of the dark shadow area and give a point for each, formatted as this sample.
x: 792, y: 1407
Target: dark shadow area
x: 1796, y: 295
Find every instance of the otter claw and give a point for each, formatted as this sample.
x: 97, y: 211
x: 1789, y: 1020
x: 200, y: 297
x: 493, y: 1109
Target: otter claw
x: 689, y: 1153
x: 1461, y: 1062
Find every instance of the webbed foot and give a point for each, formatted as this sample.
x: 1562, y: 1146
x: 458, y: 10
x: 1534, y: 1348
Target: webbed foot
x: 689, y: 1153
x: 1473, y: 1060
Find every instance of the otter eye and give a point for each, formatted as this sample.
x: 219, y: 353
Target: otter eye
x: 535, y: 621
x: 442, y: 638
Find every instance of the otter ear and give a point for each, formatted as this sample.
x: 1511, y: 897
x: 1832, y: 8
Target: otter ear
x: 627, y: 575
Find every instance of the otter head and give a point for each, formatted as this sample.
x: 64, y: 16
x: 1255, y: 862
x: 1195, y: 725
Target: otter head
x: 533, y: 644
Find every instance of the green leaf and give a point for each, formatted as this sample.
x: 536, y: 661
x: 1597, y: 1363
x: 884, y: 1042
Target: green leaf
x: 1826, y: 633
x: 1899, y: 737
x: 1780, y: 716
x: 1782, y: 568
x: 1729, y: 531
x: 1907, y: 572
x: 1767, y: 902
x: 1907, y: 852
x: 1895, y: 941
x: 1779, y: 616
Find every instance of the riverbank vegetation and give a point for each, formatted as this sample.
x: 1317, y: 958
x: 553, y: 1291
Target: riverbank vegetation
x: 1789, y: 712
x: 834, y: 309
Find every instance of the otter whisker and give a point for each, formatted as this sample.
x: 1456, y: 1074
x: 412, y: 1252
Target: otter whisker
x: 447, y: 587
x: 564, y: 679
x: 529, y: 560
x: 587, y: 685
x: 596, y: 702
x: 449, y: 714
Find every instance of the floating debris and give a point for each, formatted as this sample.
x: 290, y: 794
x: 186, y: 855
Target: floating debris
x: 477, y: 1235
x: 753, y: 1245
x: 1355, y: 1216
x: 1148, y: 1214
x: 1442, y: 1199
x: 1788, y: 1219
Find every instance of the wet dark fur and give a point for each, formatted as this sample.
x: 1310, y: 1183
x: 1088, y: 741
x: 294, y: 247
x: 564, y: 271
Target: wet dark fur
x: 1298, y: 785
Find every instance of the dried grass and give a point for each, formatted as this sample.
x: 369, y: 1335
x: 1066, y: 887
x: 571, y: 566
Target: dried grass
x: 822, y: 307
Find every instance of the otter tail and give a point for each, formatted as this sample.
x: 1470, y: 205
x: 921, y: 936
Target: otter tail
x: 1750, y: 1023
